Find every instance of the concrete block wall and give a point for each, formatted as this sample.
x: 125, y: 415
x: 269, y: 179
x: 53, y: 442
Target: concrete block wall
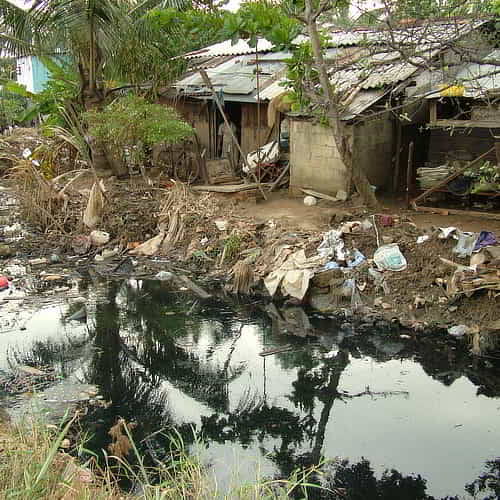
x: 373, y: 149
x: 314, y: 159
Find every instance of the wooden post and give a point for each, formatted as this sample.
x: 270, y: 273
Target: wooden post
x: 397, y: 159
x: 409, y: 172
x: 208, y: 83
x: 433, y: 111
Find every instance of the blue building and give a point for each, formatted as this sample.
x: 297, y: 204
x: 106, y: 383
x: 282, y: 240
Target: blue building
x: 32, y: 73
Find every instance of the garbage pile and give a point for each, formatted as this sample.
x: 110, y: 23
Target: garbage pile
x: 483, y: 269
x: 331, y: 268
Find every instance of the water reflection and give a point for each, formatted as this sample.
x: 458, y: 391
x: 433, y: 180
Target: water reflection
x: 164, y: 362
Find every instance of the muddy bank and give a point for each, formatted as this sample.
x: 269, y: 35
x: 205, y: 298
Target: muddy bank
x: 242, y: 245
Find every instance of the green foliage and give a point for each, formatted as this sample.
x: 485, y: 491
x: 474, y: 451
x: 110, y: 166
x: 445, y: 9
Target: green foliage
x: 131, y: 123
x: 425, y: 9
x: 12, y: 106
x: 262, y: 19
x: 300, y: 73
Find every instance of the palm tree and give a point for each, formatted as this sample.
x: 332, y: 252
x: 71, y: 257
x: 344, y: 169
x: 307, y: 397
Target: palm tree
x: 89, y: 32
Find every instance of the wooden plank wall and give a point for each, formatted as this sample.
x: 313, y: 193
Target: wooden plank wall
x: 250, y: 140
x: 473, y: 142
x: 193, y: 112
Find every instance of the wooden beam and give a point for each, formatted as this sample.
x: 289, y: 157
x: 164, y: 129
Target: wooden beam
x: 397, y: 159
x: 409, y: 169
x: 463, y: 124
x: 484, y: 215
x: 433, y: 112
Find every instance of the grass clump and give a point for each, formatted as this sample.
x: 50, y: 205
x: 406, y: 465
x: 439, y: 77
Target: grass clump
x: 34, y: 466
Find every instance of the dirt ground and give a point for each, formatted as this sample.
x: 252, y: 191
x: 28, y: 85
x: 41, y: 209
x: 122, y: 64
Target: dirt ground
x: 134, y: 212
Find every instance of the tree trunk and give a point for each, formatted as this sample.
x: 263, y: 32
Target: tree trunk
x: 344, y: 145
x: 105, y: 162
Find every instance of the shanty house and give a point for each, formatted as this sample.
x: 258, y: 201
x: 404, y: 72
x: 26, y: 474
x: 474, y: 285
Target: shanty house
x: 374, y: 73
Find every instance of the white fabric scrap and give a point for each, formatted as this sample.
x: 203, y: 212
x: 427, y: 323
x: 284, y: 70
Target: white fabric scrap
x: 294, y: 274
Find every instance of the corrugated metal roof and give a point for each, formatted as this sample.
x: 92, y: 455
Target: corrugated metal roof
x: 430, y: 34
x: 226, y: 48
x: 361, y: 102
x: 477, y: 80
x: 236, y: 76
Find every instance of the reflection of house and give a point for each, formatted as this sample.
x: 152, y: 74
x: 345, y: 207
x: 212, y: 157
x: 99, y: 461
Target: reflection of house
x: 370, y: 71
x: 32, y: 73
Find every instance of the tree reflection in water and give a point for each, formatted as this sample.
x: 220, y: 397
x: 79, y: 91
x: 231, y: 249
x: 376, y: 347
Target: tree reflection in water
x: 145, y: 342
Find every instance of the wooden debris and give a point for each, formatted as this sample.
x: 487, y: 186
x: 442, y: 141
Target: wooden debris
x: 227, y: 188
x: 193, y: 286
x: 276, y: 350
x: 319, y: 195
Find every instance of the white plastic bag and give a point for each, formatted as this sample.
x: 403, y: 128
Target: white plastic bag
x: 390, y: 258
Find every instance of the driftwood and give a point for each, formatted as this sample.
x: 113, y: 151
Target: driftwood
x: 193, y: 286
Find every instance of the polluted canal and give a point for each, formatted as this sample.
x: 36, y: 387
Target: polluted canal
x: 259, y: 391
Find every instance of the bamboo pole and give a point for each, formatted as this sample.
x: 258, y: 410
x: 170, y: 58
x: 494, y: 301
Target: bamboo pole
x: 208, y: 83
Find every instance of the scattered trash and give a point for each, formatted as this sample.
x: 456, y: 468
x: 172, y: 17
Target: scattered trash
x: 390, y: 258
x: 366, y: 225
x: 310, y: 201
x: 164, y: 276
x: 99, y: 238
x: 332, y: 245
x: 459, y: 330
x: 423, y: 238
x: 37, y: 262
x: 26, y: 153
x: 386, y: 220
x: 466, y: 243
x: 477, y: 259
x: 221, y: 224
x: 4, y: 283
x: 15, y: 271
x: 13, y: 230
x: 55, y: 259
x: 485, y: 239
x: 294, y: 274
x: 446, y: 232
x: 149, y: 247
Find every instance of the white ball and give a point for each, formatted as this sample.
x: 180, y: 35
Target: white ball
x: 309, y: 201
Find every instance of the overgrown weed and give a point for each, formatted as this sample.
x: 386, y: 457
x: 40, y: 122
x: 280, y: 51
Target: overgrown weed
x: 33, y: 466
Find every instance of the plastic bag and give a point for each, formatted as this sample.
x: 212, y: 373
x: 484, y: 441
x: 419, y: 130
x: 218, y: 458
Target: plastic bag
x: 390, y: 258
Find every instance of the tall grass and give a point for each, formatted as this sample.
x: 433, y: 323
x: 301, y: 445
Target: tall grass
x: 34, y: 467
